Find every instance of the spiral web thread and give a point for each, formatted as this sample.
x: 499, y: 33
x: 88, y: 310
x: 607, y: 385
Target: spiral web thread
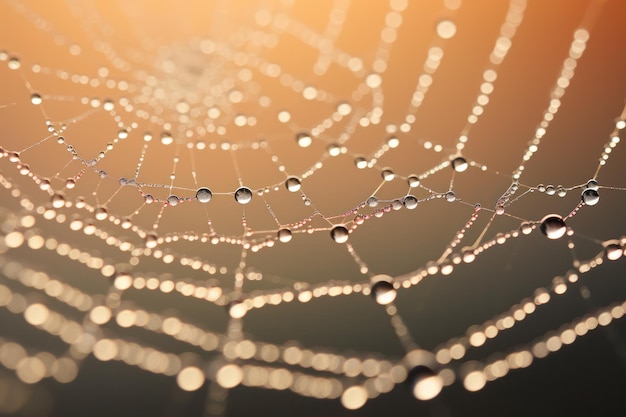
x: 130, y: 152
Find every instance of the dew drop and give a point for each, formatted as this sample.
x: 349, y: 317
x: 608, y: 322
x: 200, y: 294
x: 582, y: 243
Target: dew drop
x: 414, y: 181
x: 243, y: 195
x: 100, y: 213
x: 459, y: 164
x: 396, y: 204
x: 613, y: 250
x: 550, y: 190
x: 382, y: 289
x: 166, y: 138
x: 450, y: 197
x: 284, y: 235
x: 339, y: 234
x: 334, y: 149
x: 204, y: 195
x: 58, y: 201
x: 293, y: 184
x: 237, y: 309
x: 410, y: 201
x: 173, y: 200
x: 360, y: 162
x: 468, y: 255
x: 393, y: 142
x: 36, y: 99
x: 590, y: 197
x: 14, y: 63
x: 70, y: 183
x: 151, y: 240
x: 372, y: 201
x: 425, y: 383
x: 387, y: 174
x: 304, y: 140
x: 593, y: 184
x: 148, y: 198
x: 553, y: 226
x: 526, y: 228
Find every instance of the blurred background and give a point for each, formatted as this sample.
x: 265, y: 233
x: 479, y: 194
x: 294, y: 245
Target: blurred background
x: 124, y: 292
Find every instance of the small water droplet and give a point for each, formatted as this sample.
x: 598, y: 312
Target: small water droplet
x: 151, y: 240
x: 468, y: 255
x: 410, y: 201
x: 284, y: 235
x: 36, y: 99
x: 243, y: 195
x: 450, y: 197
x: 372, y: 201
x: 14, y: 63
x: 593, y: 184
x: 382, y: 289
x: 414, y: 181
x: 334, y: 149
x: 339, y: 234
x: 148, y: 198
x: 388, y: 174
x: 173, y: 200
x: 100, y: 213
x: 304, y: 140
x: 293, y: 184
x: 459, y: 164
x: 166, y: 138
x: 360, y: 162
x: 396, y: 204
x: 590, y: 197
x: 613, y: 250
x: 425, y: 383
x: 204, y: 195
x: 58, y: 200
x: 550, y: 190
x: 553, y: 226
x: 526, y: 228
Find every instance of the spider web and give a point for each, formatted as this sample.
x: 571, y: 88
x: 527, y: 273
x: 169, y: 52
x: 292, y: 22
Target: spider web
x: 358, y: 206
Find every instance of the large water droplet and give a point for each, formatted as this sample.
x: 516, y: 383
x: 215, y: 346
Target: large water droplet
x: 459, y: 164
x: 284, y: 235
x: 590, y: 197
x: 204, y: 195
x: 410, y: 201
x: 243, y: 195
x: 450, y: 197
x: 553, y: 226
x: 293, y: 184
x: 339, y: 234
x: 382, y: 289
